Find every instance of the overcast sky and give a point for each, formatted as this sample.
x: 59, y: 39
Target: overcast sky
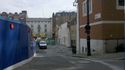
x: 37, y: 8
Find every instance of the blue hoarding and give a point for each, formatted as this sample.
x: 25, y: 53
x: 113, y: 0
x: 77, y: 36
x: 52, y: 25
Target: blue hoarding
x: 15, y: 43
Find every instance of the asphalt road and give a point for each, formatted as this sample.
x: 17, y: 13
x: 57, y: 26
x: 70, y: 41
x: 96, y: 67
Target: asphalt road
x: 60, y: 58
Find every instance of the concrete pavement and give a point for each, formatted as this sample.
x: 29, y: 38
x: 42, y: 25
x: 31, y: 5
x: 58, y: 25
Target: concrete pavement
x: 120, y: 56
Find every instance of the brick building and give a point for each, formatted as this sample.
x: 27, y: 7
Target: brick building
x: 107, y: 24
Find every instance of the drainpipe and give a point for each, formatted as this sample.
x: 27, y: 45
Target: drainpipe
x: 87, y: 27
x: 124, y: 29
x: 77, y: 29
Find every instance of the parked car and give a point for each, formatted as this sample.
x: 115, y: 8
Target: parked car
x: 42, y: 45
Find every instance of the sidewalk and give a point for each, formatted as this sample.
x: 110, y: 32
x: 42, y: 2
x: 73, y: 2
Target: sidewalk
x: 117, y: 56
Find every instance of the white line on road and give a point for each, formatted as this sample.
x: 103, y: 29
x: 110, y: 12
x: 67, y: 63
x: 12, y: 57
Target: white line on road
x: 38, y: 55
x: 68, y: 68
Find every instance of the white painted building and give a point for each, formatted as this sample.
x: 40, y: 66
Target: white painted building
x: 64, y: 35
x: 40, y: 26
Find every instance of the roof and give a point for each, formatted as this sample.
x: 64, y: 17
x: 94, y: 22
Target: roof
x: 63, y: 13
x: 38, y: 19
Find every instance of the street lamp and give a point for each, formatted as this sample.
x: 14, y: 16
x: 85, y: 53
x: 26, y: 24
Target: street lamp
x: 87, y: 28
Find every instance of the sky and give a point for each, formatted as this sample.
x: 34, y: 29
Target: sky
x: 37, y: 8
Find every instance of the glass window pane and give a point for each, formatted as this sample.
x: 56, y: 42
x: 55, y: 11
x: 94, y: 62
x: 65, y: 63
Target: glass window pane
x: 121, y: 2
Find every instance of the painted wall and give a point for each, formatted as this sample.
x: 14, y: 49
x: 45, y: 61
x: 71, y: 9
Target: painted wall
x: 100, y: 46
x: 64, y: 35
x: 97, y: 46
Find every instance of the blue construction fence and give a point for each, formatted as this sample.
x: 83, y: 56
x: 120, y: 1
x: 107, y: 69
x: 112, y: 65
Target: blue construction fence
x: 15, y: 43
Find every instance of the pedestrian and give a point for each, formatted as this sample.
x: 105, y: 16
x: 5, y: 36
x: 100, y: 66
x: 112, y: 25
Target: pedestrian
x: 74, y: 49
x: 34, y: 47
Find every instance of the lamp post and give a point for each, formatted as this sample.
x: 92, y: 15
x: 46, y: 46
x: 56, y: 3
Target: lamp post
x: 124, y: 32
x: 87, y: 28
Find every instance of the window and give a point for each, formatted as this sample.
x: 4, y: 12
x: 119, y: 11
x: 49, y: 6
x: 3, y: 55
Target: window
x: 38, y: 21
x: 45, y: 30
x: 45, y: 25
x: 32, y: 27
x: 120, y: 4
x: 85, y: 7
x: 39, y: 28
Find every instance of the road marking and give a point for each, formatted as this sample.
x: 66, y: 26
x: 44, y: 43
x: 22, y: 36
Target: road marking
x: 81, y: 62
x: 38, y: 55
x: 84, y: 62
x: 68, y: 68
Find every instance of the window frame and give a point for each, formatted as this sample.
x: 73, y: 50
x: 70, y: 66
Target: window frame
x: 84, y: 7
x: 118, y: 6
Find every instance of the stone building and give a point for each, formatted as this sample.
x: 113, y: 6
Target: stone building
x: 41, y: 27
x: 60, y: 18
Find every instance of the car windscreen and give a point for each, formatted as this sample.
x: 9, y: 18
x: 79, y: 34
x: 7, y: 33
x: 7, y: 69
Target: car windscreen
x: 42, y: 42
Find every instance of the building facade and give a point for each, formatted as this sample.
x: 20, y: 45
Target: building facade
x: 64, y: 35
x: 41, y: 27
x: 107, y: 25
x: 72, y: 30
x: 60, y: 18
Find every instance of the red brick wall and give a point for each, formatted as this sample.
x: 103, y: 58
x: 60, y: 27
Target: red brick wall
x: 108, y: 10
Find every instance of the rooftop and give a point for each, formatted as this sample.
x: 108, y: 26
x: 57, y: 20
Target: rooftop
x: 38, y: 19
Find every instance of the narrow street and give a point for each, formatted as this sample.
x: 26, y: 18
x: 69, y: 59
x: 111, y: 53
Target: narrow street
x: 60, y: 58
